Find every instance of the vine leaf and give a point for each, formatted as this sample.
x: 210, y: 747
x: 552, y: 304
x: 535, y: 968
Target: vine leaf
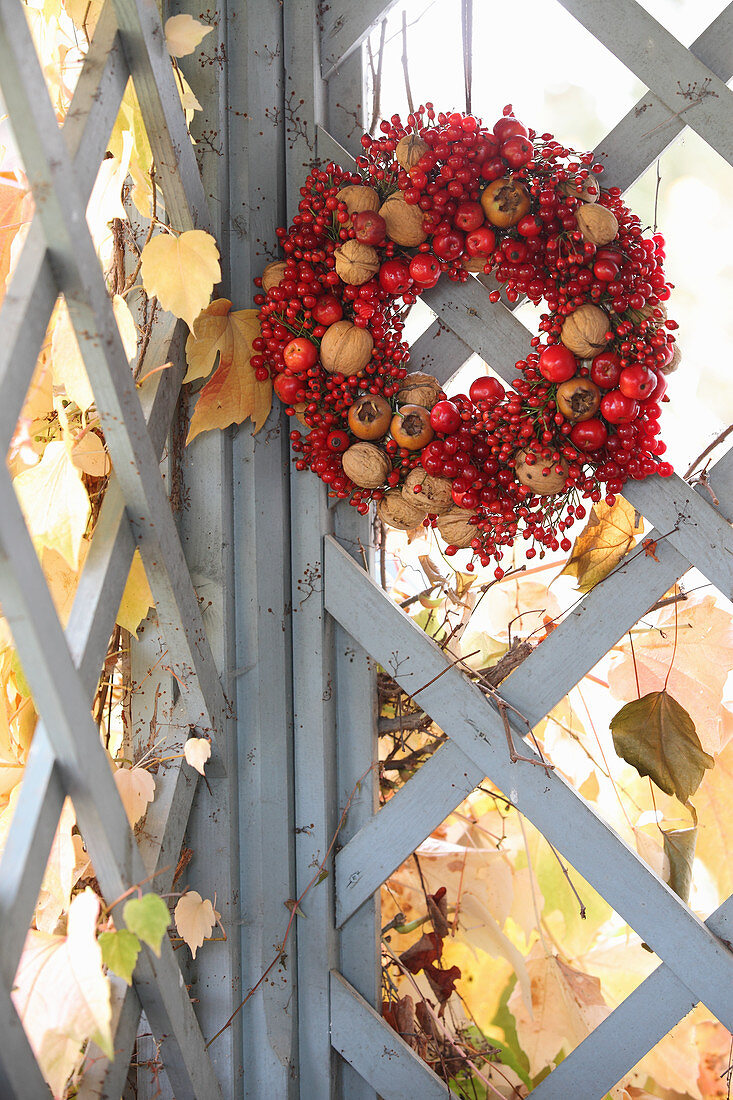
x: 195, y: 918
x: 657, y: 736
x: 233, y: 393
x: 148, y: 918
x: 679, y: 847
x: 137, y: 598
x: 120, y: 950
x: 183, y: 34
x: 136, y: 788
x: 181, y: 271
x: 197, y: 751
x: 607, y: 536
x: 54, y: 502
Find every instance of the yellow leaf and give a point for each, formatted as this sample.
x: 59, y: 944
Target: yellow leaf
x: 197, y: 751
x: 126, y: 325
x: 233, y: 393
x: 62, y: 995
x: 58, y: 880
x: 195, y: 918
x: 11, y: 204
x: 61, y: 579
x: 89, y: 455
x: 603, y: 542
x: 183, y: 34
x: 67, y: 363
x: 181, y: 271
x: 105, y: 202
x: 136, y: 788
x: 137, y: 598
x: 211, y: 336
x: 55, y: 503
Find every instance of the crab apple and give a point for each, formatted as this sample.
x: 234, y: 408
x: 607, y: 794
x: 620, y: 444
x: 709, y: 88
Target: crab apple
x: 557, y: 363
x: 425, y: 269
x: 517, y: 151
x: 487, y: 389
x: 589, y: 435
x: 369, y: 227
x: 327, y: 310
x: 445, y: 417
x: 481, y: 241
x: 507, y: 127
x: 468, y: 216
x: 637, y: 382
x: 299, y: 355
x: 394, y: 277
x: 448, y: 245
x: 618, y: 408
x: 605, y: 370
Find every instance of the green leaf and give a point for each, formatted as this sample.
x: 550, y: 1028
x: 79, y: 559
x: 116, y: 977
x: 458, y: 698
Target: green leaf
x: 679, y: 847
x: 657, y: 735
x: 148, y: 918
x: 120, y: 951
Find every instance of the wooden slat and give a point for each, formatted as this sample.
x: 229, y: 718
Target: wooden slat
x: 378, y: 1053
x: 566, y: 820
x: 20, y: 1077
x: 665, y: 66
x: 27, y: 848
x: 632, y: 1029
x: 61, y: 212
x: 344, y: 26
x: 440, y: 352
x: 650, y: 126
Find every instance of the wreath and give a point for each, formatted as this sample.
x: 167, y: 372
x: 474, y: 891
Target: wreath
x: 443, y: 194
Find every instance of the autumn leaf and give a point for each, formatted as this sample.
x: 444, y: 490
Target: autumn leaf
x: 197, y: 751
x: 126, y: 325
x: 89, y: 455
x: 136, y: 788
x: 566, y: 1004
x: 607, y: 536
x: 233, y: 393
x: 181, y: 271
x: 183, y: 34
x: 715, y: 831
x: 62, y: 995
x: 211, y: 335
x: 58, y: 879
x: 137, y: 598
x: 195, y: 918
x: 11, y: 206
x: 679, y: 848
x: 697, y: 665
x: 54, y: 502
x: 657, y: 736
x: 148, y: 918
x: 67, y: 364
x: 120, y: 950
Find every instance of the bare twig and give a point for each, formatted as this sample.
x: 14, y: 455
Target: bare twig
x: 710, y: 447
x: 376, y: 73
x: 467, y: 33
x: 408, y: 89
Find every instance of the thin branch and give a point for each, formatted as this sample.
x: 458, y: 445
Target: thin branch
x: 467, y: 34
x: 376, y: 72
x: 710, y: 447
x: 408, y: 89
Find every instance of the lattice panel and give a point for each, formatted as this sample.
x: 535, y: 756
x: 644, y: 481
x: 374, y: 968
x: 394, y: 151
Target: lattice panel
x: 697, y: 960
x: 62, y: 667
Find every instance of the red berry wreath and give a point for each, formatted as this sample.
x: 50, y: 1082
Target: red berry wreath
x: 447, y: 195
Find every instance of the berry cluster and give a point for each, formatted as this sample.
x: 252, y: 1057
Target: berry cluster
x: 445, y: 195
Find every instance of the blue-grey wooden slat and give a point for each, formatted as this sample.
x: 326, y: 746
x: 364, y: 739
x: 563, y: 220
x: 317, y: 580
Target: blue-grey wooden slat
x: 31, y: 295
x: 378, y: 1053
x: 566, y: 820
x: 665, y: 66
x: 83, y: 764
x: 331, y: 149
x: 650, y: 127
x: 344, y: 26
x: 20, y: 1077
x: 26, y: 851
x: 102, y: 1079
x: 75, y: 263
x: 448, y: 776
x: 638, y: 1024
x: 255, y: 162
x: 144, y: 46
x: 355, y: 676
x: 440, y: 352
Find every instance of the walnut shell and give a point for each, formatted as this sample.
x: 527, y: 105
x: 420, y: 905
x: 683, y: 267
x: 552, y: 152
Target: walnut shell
x: 358, y: 198
x: 419, y: 389
x: 345, y: 348
x: 597, y: 223
x: 435, y: 492
x: 299, y: 411
x: 455, y: 528
x: 674, y: 362
x: 398, y: 512
x: 474, y: 264
x: 366, y: 465
x: 589, y: 191
x: 356, y: 263
x: 409, y: 150
x: 404, y: 222
x: 647, y: 311
x: 584, y: 331
x: 543, y: 484
x: 273, y: 275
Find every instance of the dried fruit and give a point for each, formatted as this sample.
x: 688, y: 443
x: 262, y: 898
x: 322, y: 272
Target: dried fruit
x: 273, y: 275
x: 578, y: 399
x: 398, y: 512
x: 597, y: 223
x: 409, y: 150
x: 358, y: 198
x: 366, y: 465
x: 411, y: 427
x: 356, y: 263
x: 589, y: 191
x: 370, y: 416
x: 505, y: 202
x: 423, y: 490
x: 345, y: 348
x: 404, y: 222
x: 542, y: 477
x: 455, y: 527
x: 419, y: 389
x: 584, y: 331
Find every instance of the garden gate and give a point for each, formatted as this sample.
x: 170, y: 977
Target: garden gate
x: 294, y: 659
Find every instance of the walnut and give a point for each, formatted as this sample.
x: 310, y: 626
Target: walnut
x: 435, y: 493
x: 597, y: 223
x: 394, y: 510
x: 366, y: 465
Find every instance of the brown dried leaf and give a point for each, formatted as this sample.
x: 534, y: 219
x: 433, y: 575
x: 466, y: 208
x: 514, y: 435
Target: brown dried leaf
x: 607, y: 536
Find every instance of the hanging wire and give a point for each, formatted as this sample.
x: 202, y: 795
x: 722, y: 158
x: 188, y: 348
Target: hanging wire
x: 467, y: 33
